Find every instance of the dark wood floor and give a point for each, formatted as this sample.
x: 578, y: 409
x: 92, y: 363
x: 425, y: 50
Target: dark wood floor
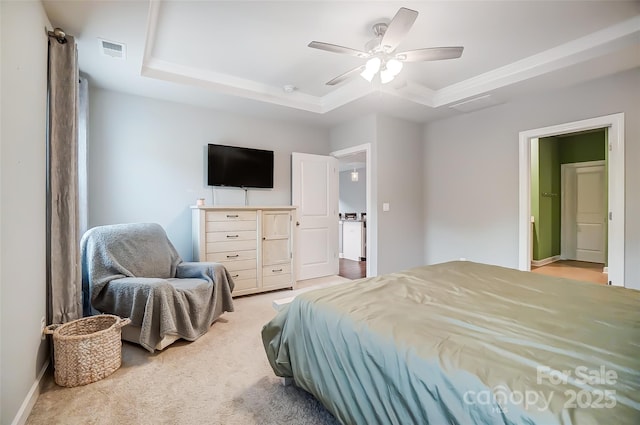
x: 352, y: 269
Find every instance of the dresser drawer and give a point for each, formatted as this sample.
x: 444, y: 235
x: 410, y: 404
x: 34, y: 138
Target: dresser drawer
x: 277, y: 280
x: 233, y: 266
x: 277, y: 269
x: 243, y: 285
x: 227, y: 226
x: 243, y: 274
x: 227, y: 216
x: 231, y: 256
x: 278, y: 275
x: 230, y: 246
x: 239, y: 235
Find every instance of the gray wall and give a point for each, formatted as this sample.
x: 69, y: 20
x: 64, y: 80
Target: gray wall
x: 353, y: 195
x: 396, y: 242
x: 400, y: 230
x: 353, y: 133
x: 147, y: 160
x: 22, y: 198
x: 357, y: 132
x: 471, y: 171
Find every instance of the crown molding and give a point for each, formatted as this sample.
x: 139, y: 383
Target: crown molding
x: 228, y: 84
x: 571, y: 53
x: 562, y: 56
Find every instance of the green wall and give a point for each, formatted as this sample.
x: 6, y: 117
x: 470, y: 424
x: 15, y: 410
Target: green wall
x: 547, y: 222
x: 582, y: 147
x: 535, y: 195
x: 546, y: 183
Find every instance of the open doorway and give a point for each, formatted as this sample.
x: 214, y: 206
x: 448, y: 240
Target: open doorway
x: 615, y: 237
x: 569, y: 203
x: 354, y: 198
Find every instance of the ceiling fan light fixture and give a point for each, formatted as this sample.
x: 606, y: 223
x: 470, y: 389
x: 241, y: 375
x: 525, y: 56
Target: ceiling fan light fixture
x: 381, y: 51
x: 386, y: 76
x: 371, y: 68
x: 367, y: 75
x: 394, y: 66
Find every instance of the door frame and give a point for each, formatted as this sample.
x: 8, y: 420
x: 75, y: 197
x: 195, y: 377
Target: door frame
x: 615, y: 181
x: 567, y: 218
x: 372, y: 219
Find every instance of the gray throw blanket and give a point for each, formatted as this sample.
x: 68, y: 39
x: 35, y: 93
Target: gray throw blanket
x: 134, y: 271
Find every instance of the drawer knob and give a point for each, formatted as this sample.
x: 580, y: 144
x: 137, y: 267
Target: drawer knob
x: 276, y: 270
x: 235, y: 275
x: 232, y: 215
x: 233, y: 256
x: 232, y: 236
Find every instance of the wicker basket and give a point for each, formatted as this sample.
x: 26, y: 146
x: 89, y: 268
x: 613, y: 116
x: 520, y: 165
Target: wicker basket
x: 87, y: 350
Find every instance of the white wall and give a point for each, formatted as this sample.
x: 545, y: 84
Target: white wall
x: 22, y: 196
x: 147, y: 160
x: 471, y: 171
x: 353, y: 195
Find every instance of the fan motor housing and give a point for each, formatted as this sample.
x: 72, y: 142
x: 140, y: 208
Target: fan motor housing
x: 379, y: 30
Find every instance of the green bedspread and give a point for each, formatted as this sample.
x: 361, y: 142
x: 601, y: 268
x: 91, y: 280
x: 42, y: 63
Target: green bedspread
x: 464, y: 343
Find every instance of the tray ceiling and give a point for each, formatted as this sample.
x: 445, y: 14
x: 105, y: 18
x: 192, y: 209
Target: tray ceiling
x: 239, y: 55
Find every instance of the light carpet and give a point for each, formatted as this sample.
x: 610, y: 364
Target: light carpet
x: 222, y: 378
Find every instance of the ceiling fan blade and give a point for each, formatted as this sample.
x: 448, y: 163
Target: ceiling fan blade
x: 430, y: 54
x: 346, y: 75
x: 398, y: 28
x: 334, y: 48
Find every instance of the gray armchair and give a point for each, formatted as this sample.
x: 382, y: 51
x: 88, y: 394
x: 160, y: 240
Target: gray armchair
x: 134, y: 271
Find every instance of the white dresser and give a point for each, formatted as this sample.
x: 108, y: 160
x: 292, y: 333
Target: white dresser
x: 255, y: 244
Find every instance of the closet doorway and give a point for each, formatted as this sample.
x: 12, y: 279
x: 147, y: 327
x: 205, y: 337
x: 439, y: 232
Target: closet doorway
x: 614, y: 217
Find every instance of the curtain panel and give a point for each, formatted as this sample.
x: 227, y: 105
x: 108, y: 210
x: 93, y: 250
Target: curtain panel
x: 64, y: 287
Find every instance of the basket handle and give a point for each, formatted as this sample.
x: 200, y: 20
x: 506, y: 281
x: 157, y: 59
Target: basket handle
x: 122, y: 323
x: 51, y: 328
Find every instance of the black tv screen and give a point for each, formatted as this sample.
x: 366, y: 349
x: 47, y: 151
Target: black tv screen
x: 239, y: 167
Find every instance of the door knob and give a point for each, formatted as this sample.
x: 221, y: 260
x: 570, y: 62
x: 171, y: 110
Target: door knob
x: 297, y: 223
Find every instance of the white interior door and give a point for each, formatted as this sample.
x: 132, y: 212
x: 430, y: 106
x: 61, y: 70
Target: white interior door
x: 585, y: 212
x: 314, y: 190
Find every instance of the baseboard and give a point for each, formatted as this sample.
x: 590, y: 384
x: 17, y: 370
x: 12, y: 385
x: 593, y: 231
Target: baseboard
x: 605, y: 270
x: 545, y: 261
x: 31, y: 398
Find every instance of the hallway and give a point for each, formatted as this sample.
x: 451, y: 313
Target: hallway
x: 577, y: 270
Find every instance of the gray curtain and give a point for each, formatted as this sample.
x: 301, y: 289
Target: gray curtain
x: 64, y: 287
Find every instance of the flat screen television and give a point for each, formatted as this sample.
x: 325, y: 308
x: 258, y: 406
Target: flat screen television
x: 239, y: 167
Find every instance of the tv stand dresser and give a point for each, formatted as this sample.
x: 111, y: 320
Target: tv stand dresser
x: 255, y: 244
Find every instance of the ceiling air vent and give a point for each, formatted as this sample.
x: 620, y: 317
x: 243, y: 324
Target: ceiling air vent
x: 113, y: 49
x: 475, y: 104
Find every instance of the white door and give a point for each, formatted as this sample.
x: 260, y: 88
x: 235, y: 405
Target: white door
x: 585, y: 212
x: 314, y: 190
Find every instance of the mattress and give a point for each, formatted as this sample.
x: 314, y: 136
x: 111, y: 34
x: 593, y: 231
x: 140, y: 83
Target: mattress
x: 464, y: 343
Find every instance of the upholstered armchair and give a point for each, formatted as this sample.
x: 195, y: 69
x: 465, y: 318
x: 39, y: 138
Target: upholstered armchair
x: 134, y: 271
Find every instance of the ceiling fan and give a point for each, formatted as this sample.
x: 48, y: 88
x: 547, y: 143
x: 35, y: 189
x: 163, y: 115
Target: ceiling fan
x: 381, y: 51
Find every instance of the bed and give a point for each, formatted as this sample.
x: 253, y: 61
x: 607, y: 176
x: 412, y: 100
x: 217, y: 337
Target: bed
x: 464, y: 343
